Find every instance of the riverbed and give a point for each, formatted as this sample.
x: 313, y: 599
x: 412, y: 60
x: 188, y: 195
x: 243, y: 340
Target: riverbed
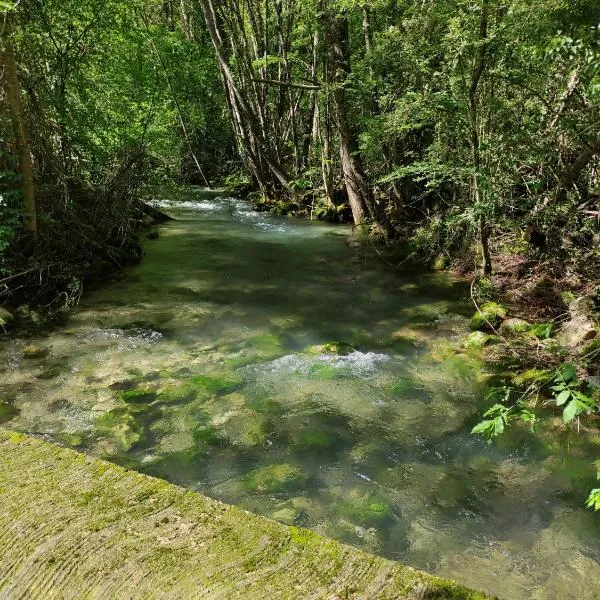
x: 290, y: 368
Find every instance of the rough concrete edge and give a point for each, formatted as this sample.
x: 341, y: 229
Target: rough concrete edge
x: 37, y: 477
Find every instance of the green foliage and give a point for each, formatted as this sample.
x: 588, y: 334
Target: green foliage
x: 542, y: 331
x: 499, y: 416
x: 567, y: 392
x: 593, y: 500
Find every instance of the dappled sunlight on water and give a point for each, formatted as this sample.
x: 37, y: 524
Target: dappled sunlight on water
x: 272, y: 364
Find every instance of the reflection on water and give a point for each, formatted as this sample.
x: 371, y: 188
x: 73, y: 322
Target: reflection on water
x: 271, y: 364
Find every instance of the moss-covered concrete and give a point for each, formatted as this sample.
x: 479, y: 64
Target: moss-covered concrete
x: 77, y: 527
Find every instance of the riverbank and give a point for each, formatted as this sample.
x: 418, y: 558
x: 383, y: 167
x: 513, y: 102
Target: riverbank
x: 72, y: 526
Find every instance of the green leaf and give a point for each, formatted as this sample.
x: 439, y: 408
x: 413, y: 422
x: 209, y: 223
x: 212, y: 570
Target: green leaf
x: 594, y: 499
x: 571, y: 411
x: 495, y: 410
x: 486, y: 429
x: 590, y: 403
x: 498, y: 426
x: 563, y: 397
x: 567, y: 372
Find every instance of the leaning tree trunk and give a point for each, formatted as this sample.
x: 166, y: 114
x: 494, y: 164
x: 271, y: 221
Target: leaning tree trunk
x: 12, y: 90
x: 360, y: 194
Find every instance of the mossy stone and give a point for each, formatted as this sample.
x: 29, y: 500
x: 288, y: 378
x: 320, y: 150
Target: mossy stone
x: 216, y: 385
x: 288, y: 514
x: 591, y: 349
x: 256, y: 433
x: 6, y: 318
x: 515, y: 326
x: 180, y: 394
x: 490, y: 313
x: 325, y: 372
x: 275, y: 478
x: 121, y: 426
x: 442, y: 262
x: 402, y: 386
x: 7, y: 411
x: 137, y: 396
x: 264, y: 405
x: 339, y: 348
x: 313, y: 440
x: 205, y: 435
x: 32, y: 351
x: 72, y: 440
x: 267, y: 344
x: 367, y: 510
x: 532, y: 377
x: 477, y: 340
x: 49, y: 373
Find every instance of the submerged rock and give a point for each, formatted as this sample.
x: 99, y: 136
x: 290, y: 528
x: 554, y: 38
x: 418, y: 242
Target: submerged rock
x: 289, y: 514
x: 7, y: 411
x: 6, y: 318
x: 275, y: 478
x: 49, y: 373
x: 339, y: 348
x: 33, y: 351
x: 367, y: 509
x: 121, y: 427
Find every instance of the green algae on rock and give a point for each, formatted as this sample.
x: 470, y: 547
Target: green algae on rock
x: 6, y: 318
x: 365, y: 509
x: 7, y: 411
x: 275, y: 478
x: 71, y: 523
x: 490, y: 313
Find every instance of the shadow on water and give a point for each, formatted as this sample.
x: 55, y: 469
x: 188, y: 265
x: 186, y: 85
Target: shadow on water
x: 279, y: 366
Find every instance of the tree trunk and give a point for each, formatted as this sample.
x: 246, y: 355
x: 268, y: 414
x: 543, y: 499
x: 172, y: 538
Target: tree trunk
x: 12, y: 90
x: 360, y: 194
x: 477, y: 72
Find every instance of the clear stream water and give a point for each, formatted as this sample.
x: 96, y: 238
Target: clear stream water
x: 285, y: 367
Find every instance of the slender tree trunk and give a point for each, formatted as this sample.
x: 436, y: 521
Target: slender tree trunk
x: 360, y: 194
x: 12, y: 90
x: 249, y: 125
x: 476, y: 74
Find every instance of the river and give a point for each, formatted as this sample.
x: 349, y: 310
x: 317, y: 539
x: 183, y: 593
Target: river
x: 286, y: 367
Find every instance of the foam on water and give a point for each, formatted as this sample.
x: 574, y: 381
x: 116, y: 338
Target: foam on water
x: 358, y: 364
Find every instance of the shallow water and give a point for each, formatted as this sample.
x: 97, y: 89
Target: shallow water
x: 285, y: 367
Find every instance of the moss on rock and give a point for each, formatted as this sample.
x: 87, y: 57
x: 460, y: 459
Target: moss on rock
x: 216, y: 384
x: 339, y: 348
x: 490, y: 313
x: 477, y: 340
x: 535, y: 378
x: 137, y: 396
x: 7, y: 411
x: 6, y: 318
x: 367, y: 509
x: 275, y: 478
